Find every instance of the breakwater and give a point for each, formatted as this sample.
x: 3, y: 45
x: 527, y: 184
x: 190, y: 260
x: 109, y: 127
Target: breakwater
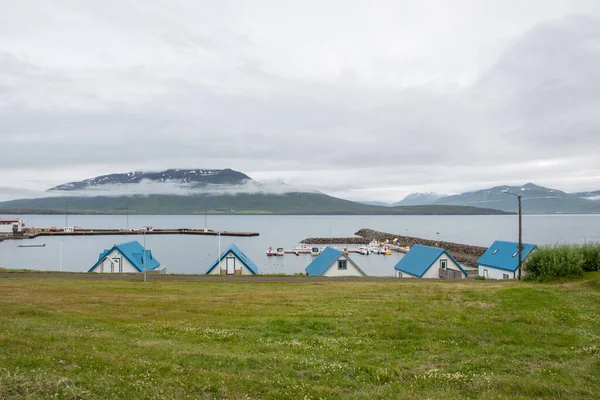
x: 336, y: 240
x: 463, y: 253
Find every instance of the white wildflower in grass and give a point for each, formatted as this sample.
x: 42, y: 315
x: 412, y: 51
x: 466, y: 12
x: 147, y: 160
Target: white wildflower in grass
x: 594, y: 350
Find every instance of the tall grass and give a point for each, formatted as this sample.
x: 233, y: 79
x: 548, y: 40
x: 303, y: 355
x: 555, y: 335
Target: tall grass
x: 562, y: 261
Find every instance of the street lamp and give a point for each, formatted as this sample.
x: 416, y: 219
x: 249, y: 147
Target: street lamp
x: 144, y: 254
x: 520, y: 247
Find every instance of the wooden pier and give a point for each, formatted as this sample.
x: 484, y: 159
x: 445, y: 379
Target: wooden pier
x: 100, y: 232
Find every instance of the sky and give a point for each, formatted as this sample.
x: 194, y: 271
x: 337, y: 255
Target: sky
x: 361, y: 100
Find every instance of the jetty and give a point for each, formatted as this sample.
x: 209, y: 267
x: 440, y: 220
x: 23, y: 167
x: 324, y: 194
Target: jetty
x: 99, y: 232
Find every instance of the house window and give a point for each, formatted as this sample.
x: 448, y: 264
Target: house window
x: 443, y: 264
x: 342, y: 264
x: 514, y: 255
x: 495, y: 251
x: 504, y: 276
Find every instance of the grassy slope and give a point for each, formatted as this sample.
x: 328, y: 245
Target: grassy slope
x: 290, y: 203
x: 347, y: 340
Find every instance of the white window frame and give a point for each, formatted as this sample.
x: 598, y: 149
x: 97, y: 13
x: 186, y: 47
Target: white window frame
x: 444, y: 263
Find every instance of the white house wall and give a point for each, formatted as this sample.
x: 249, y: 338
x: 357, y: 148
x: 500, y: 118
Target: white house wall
x: 105, y: 265
x: 334, y: 271
x: 404, y: 275
x: 7, y: 227
x: 239, y: 265
x: 495, y: 273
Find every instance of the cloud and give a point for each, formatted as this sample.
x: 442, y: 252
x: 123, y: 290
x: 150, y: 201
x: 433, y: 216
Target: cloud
x: 370, y: 103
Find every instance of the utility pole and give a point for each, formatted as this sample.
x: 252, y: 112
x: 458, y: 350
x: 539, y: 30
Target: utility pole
x: 144, y: 255
x: 219, y: 254
x: 61, y: 255
x: 520, y: 245
x: 520, y: 239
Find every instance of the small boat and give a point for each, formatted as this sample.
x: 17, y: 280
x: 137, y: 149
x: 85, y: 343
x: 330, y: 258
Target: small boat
x: 271, y: 253
x: 386, y: 252
x: 303, y: 249
x: 315, y: 251
x: 32, y: 245
x: 363, y: 250
x: 374, y: 249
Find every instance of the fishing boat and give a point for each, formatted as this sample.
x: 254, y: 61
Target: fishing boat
x: 385, y: 251
x: 278, y: 252
x: 303, y: 249
x: 363, y: 250
x: 32, y: 245
x: 315, y: 251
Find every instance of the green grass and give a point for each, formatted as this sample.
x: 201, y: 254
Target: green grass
x: 99, y: 339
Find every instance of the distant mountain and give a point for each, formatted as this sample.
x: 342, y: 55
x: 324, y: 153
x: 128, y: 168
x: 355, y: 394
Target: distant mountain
x: 242, y: 203
x: 194, y: 177
x: 419, y: 199
x: 535, y: 199
x: 593, y: 195
x: 375, y: 203
x: 217, y: 191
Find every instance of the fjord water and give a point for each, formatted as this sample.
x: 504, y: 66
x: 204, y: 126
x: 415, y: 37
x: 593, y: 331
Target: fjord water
x: 193, y: 254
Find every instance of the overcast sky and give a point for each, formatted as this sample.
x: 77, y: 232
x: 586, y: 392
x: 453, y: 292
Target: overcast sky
x: 366, y: 100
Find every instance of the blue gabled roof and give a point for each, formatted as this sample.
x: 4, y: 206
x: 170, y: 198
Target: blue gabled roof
x: 327, y: 257
x: 420, y: 258
x: 504, y: 255
x: 240, y: 255
x: 133, y: 252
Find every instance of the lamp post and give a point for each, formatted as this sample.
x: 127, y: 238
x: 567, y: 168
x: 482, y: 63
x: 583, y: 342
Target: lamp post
x: 520, y: 246
x: 219, y: 255
x: 144, y: 255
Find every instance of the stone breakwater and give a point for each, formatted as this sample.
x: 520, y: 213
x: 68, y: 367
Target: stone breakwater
x: 463, y: 253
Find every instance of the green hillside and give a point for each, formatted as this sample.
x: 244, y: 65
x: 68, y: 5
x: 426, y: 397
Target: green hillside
x: 289, y: 203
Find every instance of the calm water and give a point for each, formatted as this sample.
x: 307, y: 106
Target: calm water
x: 193, y: 254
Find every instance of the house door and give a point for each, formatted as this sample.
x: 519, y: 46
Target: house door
x: 230, y: 265
x: 486, y: 274
x: 116, y: 265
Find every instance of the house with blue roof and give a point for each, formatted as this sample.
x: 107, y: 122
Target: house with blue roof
x: 333, y: 262
x: 126, y: 257
x: 501, y: 260
x: 429, y: 262
x: 232, y: 261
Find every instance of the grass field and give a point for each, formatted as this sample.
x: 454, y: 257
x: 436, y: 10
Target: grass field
x: 75, y: 338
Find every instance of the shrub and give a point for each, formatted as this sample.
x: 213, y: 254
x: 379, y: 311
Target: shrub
x: 552, y: 262
x: 591, y: 256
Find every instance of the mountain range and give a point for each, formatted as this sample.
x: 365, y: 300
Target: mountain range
x: 419, y: 199
x: 191, y: 191
x: 535, y: 199
x: 184, y: 191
